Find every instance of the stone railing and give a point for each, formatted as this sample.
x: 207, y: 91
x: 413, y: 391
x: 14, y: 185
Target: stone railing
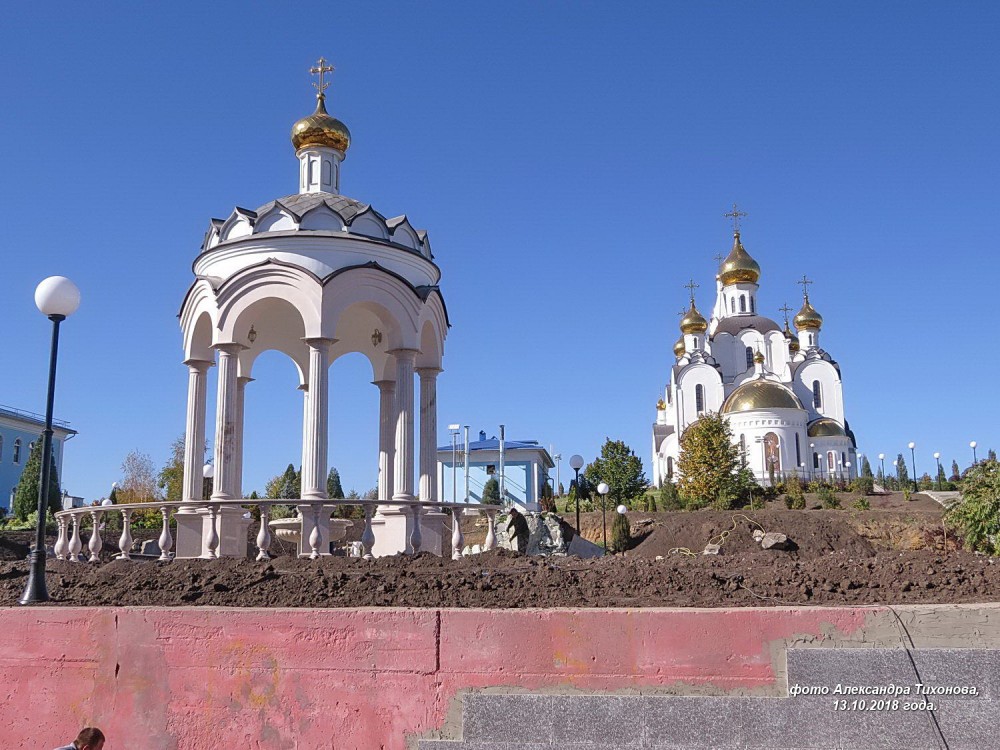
x: 69, y: 544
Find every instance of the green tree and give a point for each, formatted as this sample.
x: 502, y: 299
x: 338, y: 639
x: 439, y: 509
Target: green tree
x: 546, y: 500
x: 669, y: 499
x: 333, y: 487
x: 171, y: 476
x: 621, y: 469
x: 902, y: 475
x: 795, y: 498
x: 491, y: 492
x: 272, y: 488
x: 956, y: 473
x: 941, y: 478
x: 991, y: 455
x: 291, y: 484
x: 866, y: 468
x: 977, y: 516
x: 29, y: 485
x: 621, y: 534
x: 708, y: 461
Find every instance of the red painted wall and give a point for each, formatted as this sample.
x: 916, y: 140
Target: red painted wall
x: 369, y: 679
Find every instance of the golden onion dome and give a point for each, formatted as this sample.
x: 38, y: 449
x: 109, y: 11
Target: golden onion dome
x: 759, y: 357
x: 739, y: 267
x: 321, y: 129
x: 693, y: 322
x: 826, y: 427
x: 760, y: 394
x: 661, y: 405
x: 679, y: 348
x: 807, y: 317
x: 793, y: 340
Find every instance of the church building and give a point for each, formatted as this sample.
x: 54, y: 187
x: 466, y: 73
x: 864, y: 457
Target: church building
x: 780, y: 391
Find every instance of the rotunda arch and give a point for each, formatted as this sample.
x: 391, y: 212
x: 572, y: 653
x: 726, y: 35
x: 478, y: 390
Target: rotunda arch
x: 270, y: 280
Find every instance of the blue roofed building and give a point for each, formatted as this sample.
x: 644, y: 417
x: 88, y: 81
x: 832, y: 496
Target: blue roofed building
x: 525, y: 468
x: 18, y: 431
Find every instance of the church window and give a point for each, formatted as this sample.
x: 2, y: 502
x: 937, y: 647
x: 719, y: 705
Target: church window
x: 753, y: 307
x: 670, y: 467
x: 798, y: 452
x: 743, y: 449
x: 743, y: 303
x: 749, y: 357
x: 699, y: 398
x: 815, y: 460
x: 817, y: 395
x: 843, y: 459
x: 17, y: 451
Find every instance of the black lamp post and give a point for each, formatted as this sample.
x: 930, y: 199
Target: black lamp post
x: 576, y: 463
x: 57, y: 297
x: 913, y: 463
x: 937, y: 477
x: 973, y: 446
x: 603, y: 490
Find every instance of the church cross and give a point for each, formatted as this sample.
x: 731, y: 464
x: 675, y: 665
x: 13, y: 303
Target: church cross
x: 785, y: 309
x: 719, y: 258
x: 682, y: 313
x: 805, y: 282
x: 321, y: 68
x: 735, y: 215
x: 691, y: 286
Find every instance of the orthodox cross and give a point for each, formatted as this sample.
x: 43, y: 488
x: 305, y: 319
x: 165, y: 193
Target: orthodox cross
x: 719, y: 258
x: 320, y: 69
x: 691, y: 286
x: 735, y: 215
x: 785, y: 309
x: 805, y: 282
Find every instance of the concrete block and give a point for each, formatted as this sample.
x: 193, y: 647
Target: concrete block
x: 968, y: 725
x: 790, y: 723
x: 956, y: 667
x: 598, y: 720
x: 507, y: 718
x: 692, y: 722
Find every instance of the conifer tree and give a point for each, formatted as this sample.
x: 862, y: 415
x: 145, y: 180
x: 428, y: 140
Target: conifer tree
x: 956, y: 474
x: 866, y: 468
x: 902, y: 475
x: 291, y: 484
x: 621, y: 469
x: 29, y: 485
x: 621, y: 534
x: 708, y: 461
x: 491, y: 492
x: 333, y: 487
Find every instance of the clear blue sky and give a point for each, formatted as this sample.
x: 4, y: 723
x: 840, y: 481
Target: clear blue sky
x: 571, y: 161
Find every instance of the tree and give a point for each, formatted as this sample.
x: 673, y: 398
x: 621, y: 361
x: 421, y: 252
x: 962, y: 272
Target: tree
x: 171, y: 477
x: 669, y: 499
x: 333, y: 486
x: 562, y: 491
x: 941, y: 478
x: 902, y: 475
x: 546, y: 500
x: 621, y: 534
x: 621, y: 469
x: 138, y: 483
x: 977, y: 516
x: 866, y: 468
x: 708, y: 461
x: 991, y: 455
x: 30, y: 483
x: 272, y: 488
x: 956, y: 473
x: 291, y: 484
x: 491, y: 492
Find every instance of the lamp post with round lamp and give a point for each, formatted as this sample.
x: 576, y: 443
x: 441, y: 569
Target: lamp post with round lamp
x: 576, y: 463
x: 812, y: 451
x: 973, y: 446
x: 937, y: 476
x: 622, y: 510
x: 57, y: 298
x: 207, y: 472
x: 881, y: 460
x: 603, y: 490
x: 913, y: 462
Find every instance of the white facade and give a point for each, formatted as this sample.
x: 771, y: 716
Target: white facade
x: 780, y: 392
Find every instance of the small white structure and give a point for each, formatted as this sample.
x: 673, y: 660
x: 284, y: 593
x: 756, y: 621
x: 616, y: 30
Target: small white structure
x: 314, y: 275
x: 781, y: 393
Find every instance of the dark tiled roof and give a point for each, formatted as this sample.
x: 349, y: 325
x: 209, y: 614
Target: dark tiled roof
x: 736, y: 323
x: 299, y: 204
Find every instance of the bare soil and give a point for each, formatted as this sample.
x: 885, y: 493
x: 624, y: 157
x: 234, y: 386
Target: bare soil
x: 891, y: 554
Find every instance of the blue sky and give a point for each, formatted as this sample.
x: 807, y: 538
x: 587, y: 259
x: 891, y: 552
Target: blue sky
x: 571, y: 161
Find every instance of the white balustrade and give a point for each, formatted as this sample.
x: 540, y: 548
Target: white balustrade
x: 166, y: 541
x: 491, y: 534
x: 125, y: 542
x: 61, y: 540
x: 75, y: 543
x: 368, y: 535
x: 314, y: 535
x: 96, y: 544
x: 457, y: 539
x: 213, y: 535
x: 264, y: 535
x: 415, y: 536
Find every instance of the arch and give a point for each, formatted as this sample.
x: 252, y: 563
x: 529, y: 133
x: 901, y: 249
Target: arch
x: 276, y: 219
x: 279, y: 327
x: 383, y: 294
x: 269, y: 280
x: 322, y: 218
x: 369, y: 223
x: 743, y: 303
x: 817, y: 393
x: 772, y: 452
x: 197, y: 318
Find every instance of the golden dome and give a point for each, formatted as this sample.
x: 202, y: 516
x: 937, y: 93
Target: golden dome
x: 758, y: 357
x: 679, y: 348
x: 826, y: 427
x: 320, y: 129
x: 739, y: 267
x: 793, y: 340
x: 661, y: 405
x: 760, y: 394
x: 693, y: 322
x: 807, y: 317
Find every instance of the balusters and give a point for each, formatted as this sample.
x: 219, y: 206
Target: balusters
x: 368, y: 535
x: 75, y: 543
x: 61, y: 540
x: 457, y: 539
x: 166, y: 540
x: 314, y: 535
x: 415, y: 537
x: 213, y: 535
x: 491, y: 534
x: 264, y: 535
x: 125, y: 542
x: 96, y: 544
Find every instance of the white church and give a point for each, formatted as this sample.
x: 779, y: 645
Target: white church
x: 780, y: 391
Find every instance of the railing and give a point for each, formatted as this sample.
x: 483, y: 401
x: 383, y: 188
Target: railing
x: 30, y: 416
x: 69, y: 544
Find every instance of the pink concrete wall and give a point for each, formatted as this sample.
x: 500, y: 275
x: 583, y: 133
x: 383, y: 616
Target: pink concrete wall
x: 368, y: 679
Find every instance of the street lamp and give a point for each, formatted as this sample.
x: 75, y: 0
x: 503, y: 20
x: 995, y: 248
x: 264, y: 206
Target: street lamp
x: 913, y: 460
x: 881, y: 458
x: 576, y: 463
x: 937, y: 477
x: 847, y: 466
x: 603, y: 490
x: 813, y: 460
x: 973, y: 446
x: 453, y: 429
x: 207, y: 472
x: 57, y: 298
x: 622, y: 510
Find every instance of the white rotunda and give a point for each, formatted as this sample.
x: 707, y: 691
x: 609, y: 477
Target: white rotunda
x: 315, y: 275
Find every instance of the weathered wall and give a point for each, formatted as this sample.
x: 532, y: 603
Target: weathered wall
x: 373, y: 679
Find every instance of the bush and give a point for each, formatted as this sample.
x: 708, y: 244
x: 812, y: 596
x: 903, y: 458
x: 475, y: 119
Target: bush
x: 862, y: 504
x: 669, y: 498
x: 864, y: 485
x: 795, y: 499
x: 977, y: 516
x: 907, y: 493
x: 491, y: 492
x: 621, y: 534
x: 828, y: 498
x: 694, y: 503
x: 724, y: 501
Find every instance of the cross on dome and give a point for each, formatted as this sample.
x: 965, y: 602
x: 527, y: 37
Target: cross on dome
x: 320, y: 69
x: 691, y: 286
x: 785, y: 309
x: 735, y: 215
x: 805, y: 282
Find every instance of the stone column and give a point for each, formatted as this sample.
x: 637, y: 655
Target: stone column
x: 225, y: 424
x: 403, y: 469
x: 194, y: 432
x: 428, y: 433
x: 386, y: 437
x: 241, y: 387
x: 316, y: 438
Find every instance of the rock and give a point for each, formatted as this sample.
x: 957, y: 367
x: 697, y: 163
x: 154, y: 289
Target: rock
x: 712, y: 549
x: 547, y: 534
x: 758, y: 535
x: 150, y: 547
x: 773, y: 540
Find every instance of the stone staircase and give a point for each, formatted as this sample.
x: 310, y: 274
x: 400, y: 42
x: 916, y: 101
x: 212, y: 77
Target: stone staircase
x: 506, y: 721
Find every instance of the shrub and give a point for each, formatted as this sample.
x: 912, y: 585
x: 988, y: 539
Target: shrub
x: 491, y: 492
x: 977, y: 516
x: 621, y: 534
x: 669, y: 498
x: 795, y: 499
x: 864, y: 485
x: 862, y: 504
x: 724, y: 501
x: 907, y: 493
x: 828, y: 498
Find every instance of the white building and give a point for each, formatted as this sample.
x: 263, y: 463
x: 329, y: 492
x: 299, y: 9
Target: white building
x: 780, y: 392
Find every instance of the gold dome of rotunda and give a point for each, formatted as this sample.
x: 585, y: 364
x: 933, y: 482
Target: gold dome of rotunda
x: 739, y: 267
x: 760, y: 394
x: 321, y: 129
x: 693, y: 322
x: 807, y: 318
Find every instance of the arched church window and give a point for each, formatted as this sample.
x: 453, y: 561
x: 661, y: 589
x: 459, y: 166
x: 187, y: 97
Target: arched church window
x: 817, y: 395
x: 732, y: 304
x: 743, y: 449
x: 699, y: 398
x: 17, y: 451
x: 815, y: 460
x: 743, y: 303
x: 798, y: 453
x: 670, y: 467
x: 772, y: 454
x: 843, y: 459
x: 749, y: 357
x: 753, y: 307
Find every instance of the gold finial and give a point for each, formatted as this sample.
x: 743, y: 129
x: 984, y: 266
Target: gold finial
x: 661, y: 405
x: 805, y: 282
x: 321, y: 68
x: 691, y: 286
x: 785, y: 309
x: 735, y: 215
